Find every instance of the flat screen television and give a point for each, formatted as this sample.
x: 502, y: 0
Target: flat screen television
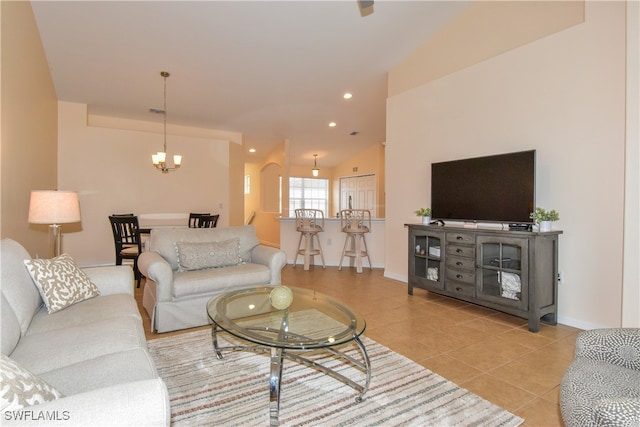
x: 497, y: 188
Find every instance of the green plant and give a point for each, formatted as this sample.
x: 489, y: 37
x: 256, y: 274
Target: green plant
x: 540, y: 215
x: 423, y: 212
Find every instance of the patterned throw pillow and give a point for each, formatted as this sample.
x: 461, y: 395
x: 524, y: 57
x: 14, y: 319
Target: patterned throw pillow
x: 60, y: 282
x: 201, y: 255
x: 20, y: 388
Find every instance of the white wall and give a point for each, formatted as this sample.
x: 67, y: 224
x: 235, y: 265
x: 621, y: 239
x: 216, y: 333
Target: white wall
x: 112, y: 171
x: 563, y: 95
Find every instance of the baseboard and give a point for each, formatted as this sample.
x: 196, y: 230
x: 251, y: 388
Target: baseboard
x: 580, y: 324
x: 401, y: 278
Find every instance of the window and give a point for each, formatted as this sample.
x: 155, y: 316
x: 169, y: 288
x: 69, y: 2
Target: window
x: 308, y: 193
x: 247, y: 184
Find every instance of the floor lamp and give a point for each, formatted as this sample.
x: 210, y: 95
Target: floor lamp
x: 54, y: 208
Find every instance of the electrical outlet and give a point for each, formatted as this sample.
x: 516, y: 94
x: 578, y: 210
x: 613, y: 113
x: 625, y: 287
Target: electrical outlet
x: 560, y: 277
x: 329, y: 242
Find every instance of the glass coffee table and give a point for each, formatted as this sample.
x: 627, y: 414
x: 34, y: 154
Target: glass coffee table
x: 287, y: 322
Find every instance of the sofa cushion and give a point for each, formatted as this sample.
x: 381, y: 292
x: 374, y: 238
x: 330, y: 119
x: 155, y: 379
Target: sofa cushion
x: 17, y: 286
x: 162, y: 240
x: 102, y: 371
x: 201, y: 255
x: 20, y: 388
x: 96, y: 309
x: 47, y: 351
x: 60, y: 282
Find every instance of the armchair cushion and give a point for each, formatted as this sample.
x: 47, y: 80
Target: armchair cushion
x: 60, y: 282
x: 201, y: 255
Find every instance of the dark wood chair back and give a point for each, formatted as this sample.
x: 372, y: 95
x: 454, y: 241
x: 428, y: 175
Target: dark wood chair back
x: 194, y: 219
x: 127, y: 242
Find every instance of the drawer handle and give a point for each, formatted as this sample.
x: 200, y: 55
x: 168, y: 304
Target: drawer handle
x: 459, y: 238
x: 459, y: 276
x: 459, y: 263
x: 459, y: 289
x: 459, y: 251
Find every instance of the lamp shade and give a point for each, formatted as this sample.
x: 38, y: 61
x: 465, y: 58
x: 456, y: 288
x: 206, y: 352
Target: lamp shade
x: 54, y: 207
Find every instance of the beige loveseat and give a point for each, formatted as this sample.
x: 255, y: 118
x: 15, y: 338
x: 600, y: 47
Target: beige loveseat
x: 86, y: 364
x: 185, y: 267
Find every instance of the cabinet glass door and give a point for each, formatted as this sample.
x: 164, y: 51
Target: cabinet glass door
x: 500, y: 272
x: 427, y: 260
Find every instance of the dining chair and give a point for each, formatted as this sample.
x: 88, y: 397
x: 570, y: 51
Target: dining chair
x: 126, y: 237
x: 194, y: 219
x: 205, y: 221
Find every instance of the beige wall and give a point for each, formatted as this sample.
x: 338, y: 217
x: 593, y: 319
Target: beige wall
x: 111, y: 169
x: 563, y: 95
x: 482, y: 31
x: 28, y: 126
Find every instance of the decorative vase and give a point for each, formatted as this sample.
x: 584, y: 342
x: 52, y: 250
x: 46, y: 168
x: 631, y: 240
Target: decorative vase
x: 426, y: 220
x: 545, y: 226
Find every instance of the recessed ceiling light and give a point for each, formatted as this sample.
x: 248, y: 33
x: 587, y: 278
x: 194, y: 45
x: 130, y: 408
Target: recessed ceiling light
x: 347, y: 95
x: 252, y: 150
x: 332, y: 124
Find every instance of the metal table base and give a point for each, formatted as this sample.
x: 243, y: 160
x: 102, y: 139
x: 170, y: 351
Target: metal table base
x: 278, y: 354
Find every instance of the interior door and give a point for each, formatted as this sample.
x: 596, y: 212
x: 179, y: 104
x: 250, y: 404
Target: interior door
x: 358, y: 192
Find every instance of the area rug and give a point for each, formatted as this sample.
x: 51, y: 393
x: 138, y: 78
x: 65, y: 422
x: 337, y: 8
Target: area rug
x: 234, y: 391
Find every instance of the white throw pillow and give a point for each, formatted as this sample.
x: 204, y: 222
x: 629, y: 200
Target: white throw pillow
x: 201, y: 255
x: 20, y: 388
x: 60, y: 282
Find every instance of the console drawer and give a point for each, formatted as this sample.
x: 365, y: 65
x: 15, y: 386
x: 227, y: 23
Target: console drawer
x: 460, y: 288
x: 461, y: 238
x: 464, y: 251
x: 461, y: 276
x: 457, y: 262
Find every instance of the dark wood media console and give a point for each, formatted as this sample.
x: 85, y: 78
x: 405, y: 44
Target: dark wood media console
x: 515, y: 272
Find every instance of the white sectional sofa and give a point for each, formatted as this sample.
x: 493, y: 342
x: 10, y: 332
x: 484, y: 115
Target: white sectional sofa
x: 185, y: 267
x: 93, y: 353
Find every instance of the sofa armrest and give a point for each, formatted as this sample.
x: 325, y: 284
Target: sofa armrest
x: 154, y: 267
x: 273, y: 258
x: 617, y: 346
x: 113, y: 279
x: 138, y: 403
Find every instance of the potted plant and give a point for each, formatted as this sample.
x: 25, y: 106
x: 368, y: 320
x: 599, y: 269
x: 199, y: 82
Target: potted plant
x: 544, y: 218
x: 425, y: 213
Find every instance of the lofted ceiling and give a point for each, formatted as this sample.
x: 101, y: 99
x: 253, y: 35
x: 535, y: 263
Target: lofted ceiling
x: 273, y: 70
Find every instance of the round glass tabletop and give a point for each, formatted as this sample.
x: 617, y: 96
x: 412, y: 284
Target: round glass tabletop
x: 311, y: 320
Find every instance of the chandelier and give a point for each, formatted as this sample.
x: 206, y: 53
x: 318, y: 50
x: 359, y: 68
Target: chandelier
x: 160, y: 158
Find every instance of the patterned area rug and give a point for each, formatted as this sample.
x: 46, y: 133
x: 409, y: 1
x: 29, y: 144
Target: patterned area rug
x: 235, y: 391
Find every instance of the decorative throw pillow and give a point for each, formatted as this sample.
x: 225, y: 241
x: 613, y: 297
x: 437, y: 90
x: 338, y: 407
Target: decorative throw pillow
x: 20, y: 388
x: 60, y: 282
x: 201, y: 255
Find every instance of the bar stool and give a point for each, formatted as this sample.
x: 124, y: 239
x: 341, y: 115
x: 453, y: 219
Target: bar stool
x: 309, y: 222
x: 355, y: 223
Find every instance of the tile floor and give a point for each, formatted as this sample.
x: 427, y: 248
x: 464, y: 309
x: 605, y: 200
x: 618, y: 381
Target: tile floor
x: 487, y: 352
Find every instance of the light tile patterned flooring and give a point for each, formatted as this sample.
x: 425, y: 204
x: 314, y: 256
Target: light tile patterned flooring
x: 487, y: 352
